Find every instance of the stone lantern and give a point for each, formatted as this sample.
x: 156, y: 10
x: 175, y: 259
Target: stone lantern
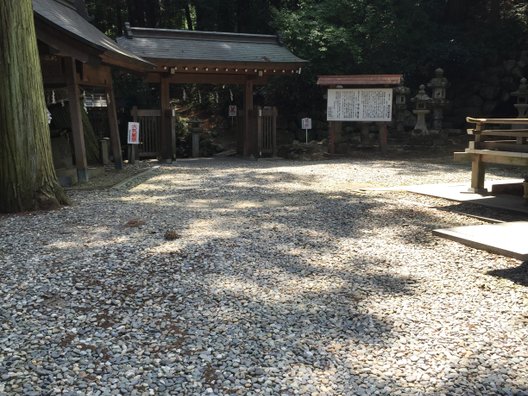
x: 438, y: 85
x: 522, y: 99
x: 422, y: 101
x: 400, y: 105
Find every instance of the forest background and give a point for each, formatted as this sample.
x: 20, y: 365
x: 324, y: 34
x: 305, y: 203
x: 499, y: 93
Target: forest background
x: 481, y: 44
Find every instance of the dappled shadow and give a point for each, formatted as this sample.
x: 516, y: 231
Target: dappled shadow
x: 517, y: 275
x: 273, y: 278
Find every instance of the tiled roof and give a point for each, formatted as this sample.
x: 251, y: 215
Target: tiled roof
x: 65, y: 17
x: 186, y: 45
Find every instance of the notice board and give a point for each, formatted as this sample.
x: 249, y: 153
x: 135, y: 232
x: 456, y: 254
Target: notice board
x: 368, y: 104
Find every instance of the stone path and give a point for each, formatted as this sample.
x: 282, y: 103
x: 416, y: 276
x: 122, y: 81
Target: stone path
x: 281, y: 278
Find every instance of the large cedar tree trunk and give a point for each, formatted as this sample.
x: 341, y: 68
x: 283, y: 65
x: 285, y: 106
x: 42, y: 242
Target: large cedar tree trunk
x: 27, y: 177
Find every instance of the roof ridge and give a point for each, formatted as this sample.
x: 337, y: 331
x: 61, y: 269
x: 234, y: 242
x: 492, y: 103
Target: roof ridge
x: 142, y: 32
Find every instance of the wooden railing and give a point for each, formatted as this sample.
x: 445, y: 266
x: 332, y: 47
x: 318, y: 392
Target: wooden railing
x: 506, y: 146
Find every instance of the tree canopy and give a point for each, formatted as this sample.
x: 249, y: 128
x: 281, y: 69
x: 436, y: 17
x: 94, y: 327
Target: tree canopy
x: 412, y: 37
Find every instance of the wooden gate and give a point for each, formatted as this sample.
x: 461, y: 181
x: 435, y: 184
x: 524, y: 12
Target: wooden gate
x: 149, y: 133
x: 267, y: 130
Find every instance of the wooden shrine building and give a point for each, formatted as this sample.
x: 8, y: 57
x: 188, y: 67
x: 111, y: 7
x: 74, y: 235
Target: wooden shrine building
x: 183, y: 56
x: 74, y: 53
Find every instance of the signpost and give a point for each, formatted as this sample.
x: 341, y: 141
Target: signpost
x: 306, y: 124
x: 360, y: 98
x: 133, y: 140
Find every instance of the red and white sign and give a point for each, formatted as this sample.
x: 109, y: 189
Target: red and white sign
x: 232, y: 111
x: 133, y: 133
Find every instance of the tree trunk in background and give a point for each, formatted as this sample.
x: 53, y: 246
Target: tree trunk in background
x: 188, y: 16
x: 27, y: 177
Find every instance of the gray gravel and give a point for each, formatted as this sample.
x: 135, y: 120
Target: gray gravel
x: 280, y: 278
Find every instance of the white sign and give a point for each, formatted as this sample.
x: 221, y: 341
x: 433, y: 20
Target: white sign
x: 133, y: 133
x: 369, y: 104
x: 306, y: 123
x: 232, y: 111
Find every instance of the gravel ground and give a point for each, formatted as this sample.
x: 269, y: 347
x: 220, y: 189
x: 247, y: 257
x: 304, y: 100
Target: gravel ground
x: 230, y: 277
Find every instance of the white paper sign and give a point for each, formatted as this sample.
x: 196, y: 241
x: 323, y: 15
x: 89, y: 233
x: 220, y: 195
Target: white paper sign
x: 369, y: 104
x: 133, y: 133
x: 306, y: 123
x: 232, y: 111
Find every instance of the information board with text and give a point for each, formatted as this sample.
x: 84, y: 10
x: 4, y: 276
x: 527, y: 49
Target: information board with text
x: 369, y: 104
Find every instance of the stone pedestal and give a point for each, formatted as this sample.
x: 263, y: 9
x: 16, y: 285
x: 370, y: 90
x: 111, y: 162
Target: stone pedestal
x: 522, y: 110
x: 195, y: 144
x: 420, y: 129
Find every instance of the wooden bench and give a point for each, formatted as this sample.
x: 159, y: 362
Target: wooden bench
x: 506, y: 146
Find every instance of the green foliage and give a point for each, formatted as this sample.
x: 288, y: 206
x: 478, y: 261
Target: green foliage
x: 412, y: 37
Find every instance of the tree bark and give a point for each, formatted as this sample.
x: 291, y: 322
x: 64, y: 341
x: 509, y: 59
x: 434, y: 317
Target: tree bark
x: 188, y: 16
x: 27, y: 178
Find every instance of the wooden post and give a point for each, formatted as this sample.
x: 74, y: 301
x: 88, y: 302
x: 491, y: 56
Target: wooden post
x: 248, y: 107
x: 115, y: 141
x: 383, y: 134
x: 331, y: 136
x: 74, y: 95
x: 173, y: 134
x: 478, y: 171
x: 165, y: 151
x: 274, y: 136
x: 260, y: 131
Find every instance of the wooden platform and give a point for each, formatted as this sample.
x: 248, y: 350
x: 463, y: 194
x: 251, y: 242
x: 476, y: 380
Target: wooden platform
x: 507, y: 239
x: 459, y: 192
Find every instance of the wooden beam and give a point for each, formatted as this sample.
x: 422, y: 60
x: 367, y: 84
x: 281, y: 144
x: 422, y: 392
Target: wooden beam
x: 217, y: 79
x: 96, y: 76
x: 76, y: 120
x: 115, y: 141
x: 64, y: 45
x: 190, y: 65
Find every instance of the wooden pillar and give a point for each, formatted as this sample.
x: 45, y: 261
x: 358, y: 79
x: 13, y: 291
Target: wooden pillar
x: 331, y: 137
x: 248, y: 107
x: 383, y: 136
x: 478, y: 172
x: 166, y: 147
x: 334, y: 131
x: 115, y: 141
x: 74, y: 95
x: 274, y: 126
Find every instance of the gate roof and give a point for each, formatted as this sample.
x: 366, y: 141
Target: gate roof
x: 167, y: 47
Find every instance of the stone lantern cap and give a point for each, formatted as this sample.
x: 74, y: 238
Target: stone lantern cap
x: 402, y: 90
x: 421, y: 99
x: 195, y: 124
x: 438, y: 84
x: 400, y: 93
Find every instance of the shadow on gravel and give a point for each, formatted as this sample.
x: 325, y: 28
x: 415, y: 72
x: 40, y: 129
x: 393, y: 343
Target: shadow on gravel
x: 263, y: 285
x: 517, y: 275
